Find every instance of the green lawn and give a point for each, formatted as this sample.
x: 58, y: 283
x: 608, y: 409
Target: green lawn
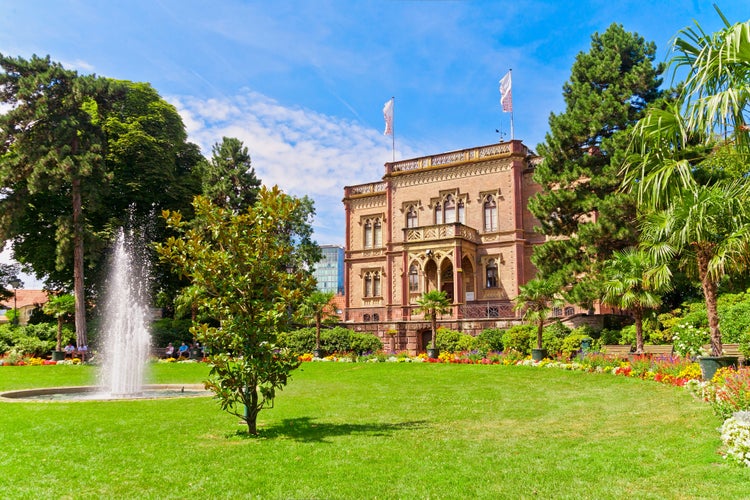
x: 380, y: 430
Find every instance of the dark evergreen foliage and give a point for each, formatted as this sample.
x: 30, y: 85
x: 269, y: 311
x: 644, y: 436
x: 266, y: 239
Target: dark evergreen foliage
x: 580, y: 204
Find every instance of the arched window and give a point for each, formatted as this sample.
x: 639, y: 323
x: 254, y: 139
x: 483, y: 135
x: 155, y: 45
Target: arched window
x: 378, y: 234
x: 491, y: 273
x: 413, y: 278
x: 411, y: 217
x: 366, y: 317
x: 376, y: 317
x: 368, y: 233
x: 569, y: 311
x: 368, y: 285
x: 461, y: 212
x: 556, y: 312
x: 490, y: 214
x: 438, y: 213
x: 449, y: 210
x: 376, y: 285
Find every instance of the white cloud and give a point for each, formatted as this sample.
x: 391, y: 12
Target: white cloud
x: 79, y: 65
x: 304, y: 152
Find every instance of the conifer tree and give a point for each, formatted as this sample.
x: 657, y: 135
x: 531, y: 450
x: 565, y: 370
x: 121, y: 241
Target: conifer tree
x: 580, y: 208
x: 229, y: 179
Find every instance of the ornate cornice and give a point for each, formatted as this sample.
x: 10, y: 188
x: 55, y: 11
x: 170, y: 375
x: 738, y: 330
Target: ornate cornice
x: 462, y: 171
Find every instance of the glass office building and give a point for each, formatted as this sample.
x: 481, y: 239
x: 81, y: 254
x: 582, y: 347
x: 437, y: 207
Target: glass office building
x: 330, y: 270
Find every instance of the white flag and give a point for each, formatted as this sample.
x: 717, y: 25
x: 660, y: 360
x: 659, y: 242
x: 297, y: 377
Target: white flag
x: 506, y: 93
x: 388, y: 115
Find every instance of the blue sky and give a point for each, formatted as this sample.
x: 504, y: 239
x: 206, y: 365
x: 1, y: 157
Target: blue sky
x: 303, y: 83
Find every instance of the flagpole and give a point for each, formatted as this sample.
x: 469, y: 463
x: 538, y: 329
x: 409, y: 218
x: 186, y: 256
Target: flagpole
x: 506, y: 99
x: 512, y: 133
x: 393, y: 131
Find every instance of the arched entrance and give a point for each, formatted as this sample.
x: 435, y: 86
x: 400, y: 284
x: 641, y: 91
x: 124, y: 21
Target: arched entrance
x: 446, y: 279
x: 430, y: 276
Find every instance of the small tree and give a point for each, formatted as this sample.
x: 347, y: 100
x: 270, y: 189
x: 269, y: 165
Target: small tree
x: 627, y: 286
x: 317, y: 307
x: 247, y: 272
x: 60, y: 307
x: 432, y: 304
x: 536, y: 299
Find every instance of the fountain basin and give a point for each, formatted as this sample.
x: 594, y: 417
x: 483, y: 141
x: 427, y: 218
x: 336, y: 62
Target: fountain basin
x: 96, y: 393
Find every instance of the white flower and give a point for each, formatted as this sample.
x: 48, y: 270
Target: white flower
x: 735, y: 433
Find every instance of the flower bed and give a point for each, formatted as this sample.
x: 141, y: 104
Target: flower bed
x: 673, y: 370
x: 735, y: 433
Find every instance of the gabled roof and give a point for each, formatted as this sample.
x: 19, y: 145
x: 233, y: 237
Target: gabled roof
x: 25, y: 298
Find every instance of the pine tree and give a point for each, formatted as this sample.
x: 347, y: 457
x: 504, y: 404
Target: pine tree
x: 229, y: 179
x: 580, y: 208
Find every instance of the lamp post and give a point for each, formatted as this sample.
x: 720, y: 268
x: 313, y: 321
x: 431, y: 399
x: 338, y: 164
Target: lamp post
x: 16, y: 284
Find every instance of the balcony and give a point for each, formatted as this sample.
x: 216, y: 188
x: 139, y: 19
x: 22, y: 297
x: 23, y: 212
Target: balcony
x: 441, y: 232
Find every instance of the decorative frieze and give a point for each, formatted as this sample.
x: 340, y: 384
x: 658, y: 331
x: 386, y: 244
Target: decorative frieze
x: 450, y: 174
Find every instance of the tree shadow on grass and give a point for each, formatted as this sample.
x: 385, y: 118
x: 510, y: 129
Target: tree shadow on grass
x: 308, y: 429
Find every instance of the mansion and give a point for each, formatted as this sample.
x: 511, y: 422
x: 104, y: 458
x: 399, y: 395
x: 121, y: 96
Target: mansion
x: 456, y: 222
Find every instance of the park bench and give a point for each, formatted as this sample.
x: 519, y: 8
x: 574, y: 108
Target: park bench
x: 159, y: 352
x: 616, y: 350
x: 658, y: 350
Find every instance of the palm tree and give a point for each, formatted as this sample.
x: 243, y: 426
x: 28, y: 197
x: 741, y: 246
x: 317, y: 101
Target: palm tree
x: 692, y: 209
x: 716, y: 89
x: 627, y: 285
x: 317, y: 307
x: 706, y: 229
x: 432, y: 304
x: 536, y: 299
x: 60, y: 306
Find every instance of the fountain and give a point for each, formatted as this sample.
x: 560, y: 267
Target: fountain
x: 125, y: 326
x: 126, y: 338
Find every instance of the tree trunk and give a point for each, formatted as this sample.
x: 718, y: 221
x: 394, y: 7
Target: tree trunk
x: 433, y: 322
x: 710, y: 291
x: 317, y: 332
x: 59, y: 334
x: 539, y: 334
x: 251, y: 410
x: 638, y: 315
x: 79, y: 292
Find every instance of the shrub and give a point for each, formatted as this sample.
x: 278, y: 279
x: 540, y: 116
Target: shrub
x: 551, y: 341
x: 298, y: 341
x: 338, y: 339
x: 490, y: 339
x: 610, y: 337
x: 688, y: 339
x: 745, y: 345
x: 361, y: 343
x: 572, y: 344
x: 32, y: 346
x: 552, y: 337
x: 519, y: 338
x: 452, y: 341
x: 166, y: 330
x: 735, y: 321
x: 31, y: 340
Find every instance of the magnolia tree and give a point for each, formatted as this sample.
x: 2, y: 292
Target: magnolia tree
x: 249, y: 275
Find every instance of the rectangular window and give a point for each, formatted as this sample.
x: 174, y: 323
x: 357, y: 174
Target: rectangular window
x: 378, y: 236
